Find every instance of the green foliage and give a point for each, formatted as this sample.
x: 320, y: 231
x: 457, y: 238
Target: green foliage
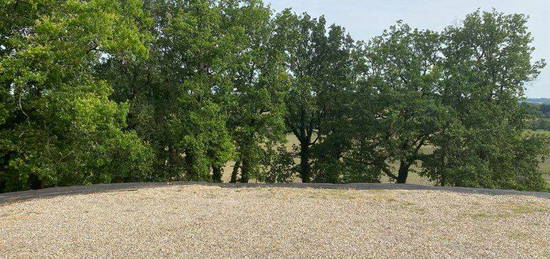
x: 60, y: 127
x: 212, y: 89
x: 259, y: 83
x: 103, y: 91
x: 458, y: 92
x: 320, y: 69
x: 178, y: 93
x: 396, y: 111
x: 487, y: 63
x: 277, y: 166
x: 541, y: 124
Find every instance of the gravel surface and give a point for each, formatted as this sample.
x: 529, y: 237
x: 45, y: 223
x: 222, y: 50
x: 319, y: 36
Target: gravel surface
x: 190, y: 220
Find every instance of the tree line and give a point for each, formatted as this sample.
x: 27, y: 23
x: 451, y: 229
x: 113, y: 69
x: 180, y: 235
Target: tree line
x: 105, y: 91
x: 542, y: 112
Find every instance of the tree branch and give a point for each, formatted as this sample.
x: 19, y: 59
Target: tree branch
x: 389, y: 173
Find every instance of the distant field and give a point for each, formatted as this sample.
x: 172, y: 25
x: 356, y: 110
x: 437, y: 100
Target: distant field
x: 414, y: 178
x: 545, y: 166
x: 543, y: 132
x: 293, y: 141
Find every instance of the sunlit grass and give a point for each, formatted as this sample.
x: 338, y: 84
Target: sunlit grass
x: 413, y: 178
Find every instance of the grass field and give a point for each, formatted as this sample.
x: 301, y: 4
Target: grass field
x: 414, y: 178
x: 293, y: 141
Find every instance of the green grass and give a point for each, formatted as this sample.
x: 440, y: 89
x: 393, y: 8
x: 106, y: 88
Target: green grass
x: 414, y: 178
x: 541, y: 132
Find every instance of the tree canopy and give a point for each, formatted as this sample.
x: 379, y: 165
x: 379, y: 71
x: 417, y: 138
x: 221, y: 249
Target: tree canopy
x: 103, y: 91
x: 59, y: 125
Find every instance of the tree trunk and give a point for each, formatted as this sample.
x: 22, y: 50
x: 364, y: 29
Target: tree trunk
x: 245, y: 171
x: 190, y: 161
x: 305, y: 167
x: 172, y: 164
x: 403, y: 172
x: 235, y: 172
x: 443, y: 179
x: 217, y: 174
x: 34, y: 182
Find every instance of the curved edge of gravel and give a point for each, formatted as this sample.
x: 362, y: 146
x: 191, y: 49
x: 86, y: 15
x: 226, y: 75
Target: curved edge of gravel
x: 7, y: 198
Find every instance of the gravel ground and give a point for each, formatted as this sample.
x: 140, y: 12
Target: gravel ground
x: 190, y: 220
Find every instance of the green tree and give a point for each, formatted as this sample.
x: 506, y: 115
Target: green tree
x: 488, y: 61
x: 259, y: 83
x: 319, y: 64
x: 179, y: 95
x: 211, y: 90
x: 396, y: 111
x: 58, y: 125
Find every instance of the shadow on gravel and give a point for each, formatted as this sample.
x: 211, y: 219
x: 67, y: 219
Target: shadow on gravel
x: 7, y: 198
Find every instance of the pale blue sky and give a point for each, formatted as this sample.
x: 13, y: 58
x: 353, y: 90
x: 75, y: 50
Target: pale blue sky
x: 367, y: 18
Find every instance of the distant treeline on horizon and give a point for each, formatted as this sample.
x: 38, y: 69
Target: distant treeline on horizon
x: 539, y: 100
